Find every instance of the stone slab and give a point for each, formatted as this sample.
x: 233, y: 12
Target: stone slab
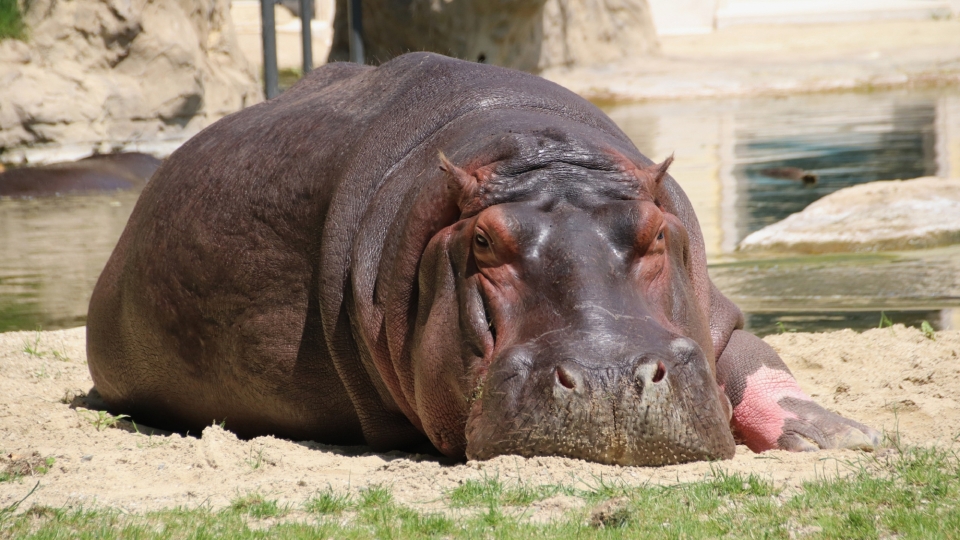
x: 878, y: 216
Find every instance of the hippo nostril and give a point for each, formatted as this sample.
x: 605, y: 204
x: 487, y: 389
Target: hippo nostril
x: 660, y: 373
x: 566, y: 379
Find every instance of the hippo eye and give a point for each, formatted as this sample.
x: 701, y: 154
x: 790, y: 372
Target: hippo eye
x: 660, y: 236
x: 481, y: 241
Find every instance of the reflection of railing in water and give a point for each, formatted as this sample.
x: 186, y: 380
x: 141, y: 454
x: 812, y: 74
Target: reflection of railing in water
x: 765, y: 323
x: 808, y: 288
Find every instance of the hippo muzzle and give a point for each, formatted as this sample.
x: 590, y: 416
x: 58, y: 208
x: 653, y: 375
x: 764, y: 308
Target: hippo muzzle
x: 651, y: 408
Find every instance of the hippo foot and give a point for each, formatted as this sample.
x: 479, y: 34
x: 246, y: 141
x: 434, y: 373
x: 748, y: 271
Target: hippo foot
x: 813, y: 428
x: 775, y: 414
x: 772, y: 412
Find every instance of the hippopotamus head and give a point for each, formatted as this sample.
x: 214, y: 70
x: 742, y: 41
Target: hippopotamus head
x: 568, y: 295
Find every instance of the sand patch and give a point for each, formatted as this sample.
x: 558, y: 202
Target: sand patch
x: 891, y: 378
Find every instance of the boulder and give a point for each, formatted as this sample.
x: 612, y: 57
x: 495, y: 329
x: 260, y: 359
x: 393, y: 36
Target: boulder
x: 103, y: 74
x: 877, y: 216
x: 531, y: 35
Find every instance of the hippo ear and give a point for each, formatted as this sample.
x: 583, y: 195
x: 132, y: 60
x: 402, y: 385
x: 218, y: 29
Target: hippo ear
x: 652, y: 175
x: 463, y: 181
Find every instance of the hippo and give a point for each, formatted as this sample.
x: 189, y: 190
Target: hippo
x: 99, y: 172
x: 436, y: 255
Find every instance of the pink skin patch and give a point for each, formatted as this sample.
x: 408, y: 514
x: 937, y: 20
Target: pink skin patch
x: 759, y: 419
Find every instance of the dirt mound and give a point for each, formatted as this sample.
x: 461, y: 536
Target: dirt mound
x: 894, y: 379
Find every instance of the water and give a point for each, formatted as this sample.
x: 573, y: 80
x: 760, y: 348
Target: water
x: 721, y: 148
x: 52, y: 250
x: 51, y: 253
x: 829, y: 292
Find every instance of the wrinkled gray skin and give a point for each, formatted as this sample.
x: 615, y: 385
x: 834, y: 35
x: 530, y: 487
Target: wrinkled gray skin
x: 433, y: 250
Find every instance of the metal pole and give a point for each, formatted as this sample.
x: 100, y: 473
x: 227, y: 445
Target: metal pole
x: 271, y: 78
x: 306, y: 15
x: 355, y: 31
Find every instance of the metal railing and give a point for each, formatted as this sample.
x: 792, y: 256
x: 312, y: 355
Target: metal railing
x: 271, y: 74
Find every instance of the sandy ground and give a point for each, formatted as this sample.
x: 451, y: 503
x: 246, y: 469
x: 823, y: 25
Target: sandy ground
x: 892, y: 378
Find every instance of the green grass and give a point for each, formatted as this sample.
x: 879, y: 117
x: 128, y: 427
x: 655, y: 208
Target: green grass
x: 491, y: 492
x: 913, y: 493
x: 287, y: 77
x: 11, y: 21
x: 26, y: 466
x: 928, y: 331
x: 32, y: 346
x: 375, y: 497
x: 255, y: 505
x: 101, y: 419
x: 327, y: 503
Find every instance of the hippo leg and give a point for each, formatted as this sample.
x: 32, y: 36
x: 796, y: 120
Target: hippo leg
x: 770, y: 411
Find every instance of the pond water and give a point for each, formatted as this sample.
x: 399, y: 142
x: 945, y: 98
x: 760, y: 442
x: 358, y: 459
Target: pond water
x: 51, y: 253
x: 52, y: 250
x: 724, y: 151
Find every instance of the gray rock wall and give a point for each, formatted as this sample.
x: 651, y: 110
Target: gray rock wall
x: 531, y: 35
x: 106, y: 73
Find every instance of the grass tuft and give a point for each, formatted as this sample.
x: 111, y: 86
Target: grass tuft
x: 11, y: 21
x: 491, y: 492
x: 376, y: 496
x: 255, y: 505
x: 721, y: 483
x: 255, y: 461
x: 101, y: 419
x: 21, y: 466
x: 328, y: 502
x: 928, y: 331
x: 32, y: 347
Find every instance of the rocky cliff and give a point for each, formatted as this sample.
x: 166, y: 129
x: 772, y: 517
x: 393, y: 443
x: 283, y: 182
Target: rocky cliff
x: 531, y: 35
x: 105, y: 74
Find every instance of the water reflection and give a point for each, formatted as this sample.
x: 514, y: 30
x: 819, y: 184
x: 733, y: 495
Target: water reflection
x: 51, y: 253
x: 721, y: 147
x: 52, y: 250
x: 841, y: 291
x: 763, y: 324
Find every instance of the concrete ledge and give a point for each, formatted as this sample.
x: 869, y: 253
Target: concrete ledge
x: 878, y: 216
x: 746, y: 61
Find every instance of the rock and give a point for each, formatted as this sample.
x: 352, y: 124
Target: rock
x: 593, y: 32
x: 294, y: 7
x: 106, y: 73
x: 530, y: 35
x: 611, y: 513
x: 877, y: 216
